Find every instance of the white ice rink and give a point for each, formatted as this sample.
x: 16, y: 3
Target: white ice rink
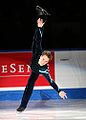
x: 69, y: 109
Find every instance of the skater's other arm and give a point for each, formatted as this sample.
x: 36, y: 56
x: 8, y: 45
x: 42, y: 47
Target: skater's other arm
x: 61, y: 93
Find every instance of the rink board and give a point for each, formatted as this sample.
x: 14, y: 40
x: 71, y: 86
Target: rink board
x: 68, y: 69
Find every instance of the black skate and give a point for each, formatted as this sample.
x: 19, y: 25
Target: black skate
x: 42, y: 13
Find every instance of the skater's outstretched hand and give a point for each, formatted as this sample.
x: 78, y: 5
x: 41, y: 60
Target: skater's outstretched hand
x: 63, y: 95
x: 40, y: 22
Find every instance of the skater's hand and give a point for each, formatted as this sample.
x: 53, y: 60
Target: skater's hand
x: 40, y: 22
x: 63, y: 95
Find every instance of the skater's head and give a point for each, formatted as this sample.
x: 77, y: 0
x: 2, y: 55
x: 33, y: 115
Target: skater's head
x: 45, y: 58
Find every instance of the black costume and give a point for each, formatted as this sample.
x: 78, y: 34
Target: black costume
x: 36, y: 68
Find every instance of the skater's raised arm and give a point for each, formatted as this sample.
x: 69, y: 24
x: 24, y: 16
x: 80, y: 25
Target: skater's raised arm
x: 37, y: 38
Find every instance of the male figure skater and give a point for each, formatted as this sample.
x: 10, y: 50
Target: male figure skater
x: 39, y: 63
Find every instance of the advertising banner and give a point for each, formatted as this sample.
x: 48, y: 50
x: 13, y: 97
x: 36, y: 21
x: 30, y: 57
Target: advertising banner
x: 15, y: 69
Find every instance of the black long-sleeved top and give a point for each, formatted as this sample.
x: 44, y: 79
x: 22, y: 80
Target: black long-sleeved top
x: 37, y: 51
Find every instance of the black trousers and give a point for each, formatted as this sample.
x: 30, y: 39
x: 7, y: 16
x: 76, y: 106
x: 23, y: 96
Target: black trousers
x: 29, y: 87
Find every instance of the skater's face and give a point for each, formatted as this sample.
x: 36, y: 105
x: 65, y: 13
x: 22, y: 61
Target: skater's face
x: 43, y: 60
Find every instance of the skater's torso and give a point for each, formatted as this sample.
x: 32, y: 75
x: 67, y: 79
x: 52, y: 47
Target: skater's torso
x: 37, y: 51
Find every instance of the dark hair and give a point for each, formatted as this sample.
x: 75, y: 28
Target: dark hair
x: 48, y: 54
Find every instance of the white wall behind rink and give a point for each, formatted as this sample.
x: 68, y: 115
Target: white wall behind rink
x: 70, y: 69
